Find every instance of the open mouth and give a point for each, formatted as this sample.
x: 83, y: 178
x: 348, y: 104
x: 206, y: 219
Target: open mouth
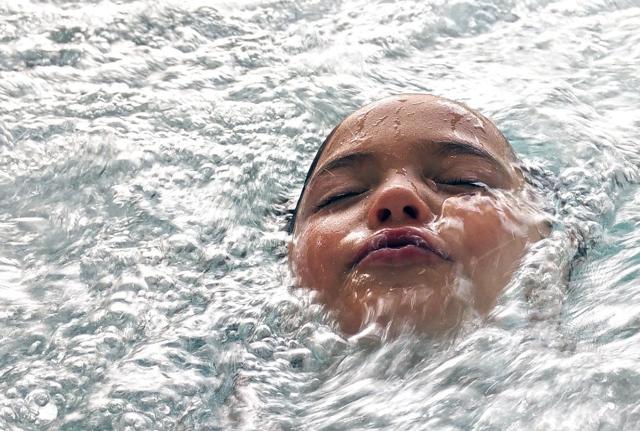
x: 401, y: 246
x: 402, y: 242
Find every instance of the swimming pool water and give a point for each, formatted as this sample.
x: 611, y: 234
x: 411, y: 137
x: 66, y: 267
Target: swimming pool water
x: 148, y: 148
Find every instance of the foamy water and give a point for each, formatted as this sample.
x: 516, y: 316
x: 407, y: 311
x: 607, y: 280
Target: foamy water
x: 147, y: 149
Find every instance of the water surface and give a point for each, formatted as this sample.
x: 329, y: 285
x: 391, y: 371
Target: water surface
x: 146, y: 149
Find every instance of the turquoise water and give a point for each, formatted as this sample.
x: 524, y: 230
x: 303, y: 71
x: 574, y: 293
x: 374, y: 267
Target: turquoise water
x: 146, y: 149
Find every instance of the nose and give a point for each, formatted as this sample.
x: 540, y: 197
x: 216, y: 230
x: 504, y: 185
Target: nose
x: 400, y: 203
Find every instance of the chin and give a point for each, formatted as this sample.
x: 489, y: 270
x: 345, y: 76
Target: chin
x: 402, y: 306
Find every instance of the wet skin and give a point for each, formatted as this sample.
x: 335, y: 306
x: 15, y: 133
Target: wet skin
x: 414, y: 215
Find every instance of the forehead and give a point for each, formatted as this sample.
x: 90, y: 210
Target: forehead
x: 395, y: 124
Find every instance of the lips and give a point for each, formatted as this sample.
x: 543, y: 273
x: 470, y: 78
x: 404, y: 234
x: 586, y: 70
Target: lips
x: 398, y: 246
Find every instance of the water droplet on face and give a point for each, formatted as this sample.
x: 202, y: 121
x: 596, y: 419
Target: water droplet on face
x: 360, y: 124
x: 455, y: 120
x: 380, y: 120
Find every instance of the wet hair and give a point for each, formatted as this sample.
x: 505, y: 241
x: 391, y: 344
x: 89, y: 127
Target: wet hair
x: 292, y: 214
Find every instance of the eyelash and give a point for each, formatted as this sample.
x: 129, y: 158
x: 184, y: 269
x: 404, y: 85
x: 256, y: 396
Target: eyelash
x: 337, y: 197
x: 464, y: 182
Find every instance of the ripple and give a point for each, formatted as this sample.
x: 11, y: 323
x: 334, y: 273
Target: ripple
x: 146, y: 153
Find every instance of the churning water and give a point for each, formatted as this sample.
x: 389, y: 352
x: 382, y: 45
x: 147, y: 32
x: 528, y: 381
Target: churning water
x: 146, y: 149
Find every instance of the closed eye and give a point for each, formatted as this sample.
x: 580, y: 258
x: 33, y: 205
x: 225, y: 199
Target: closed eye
x: 337, y: 198
x: 466, y: 184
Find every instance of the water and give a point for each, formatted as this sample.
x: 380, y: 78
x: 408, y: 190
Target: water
x: 147, y: 149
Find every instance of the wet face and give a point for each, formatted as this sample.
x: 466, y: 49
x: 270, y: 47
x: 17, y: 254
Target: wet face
x: 414, y: 215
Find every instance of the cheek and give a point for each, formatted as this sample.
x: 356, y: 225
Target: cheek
x: 318, y: 253
x: 488, y: 239
x: 484, y: 231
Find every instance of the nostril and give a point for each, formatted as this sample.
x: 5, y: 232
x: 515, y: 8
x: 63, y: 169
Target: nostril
x: 384, y: 214
x: 411, y: 211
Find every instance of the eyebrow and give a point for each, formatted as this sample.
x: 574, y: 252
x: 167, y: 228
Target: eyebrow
x: 443, y: 149
x: 346, y: 161
x: 461, y: 148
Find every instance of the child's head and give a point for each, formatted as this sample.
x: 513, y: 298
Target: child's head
x: 413, y: 212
